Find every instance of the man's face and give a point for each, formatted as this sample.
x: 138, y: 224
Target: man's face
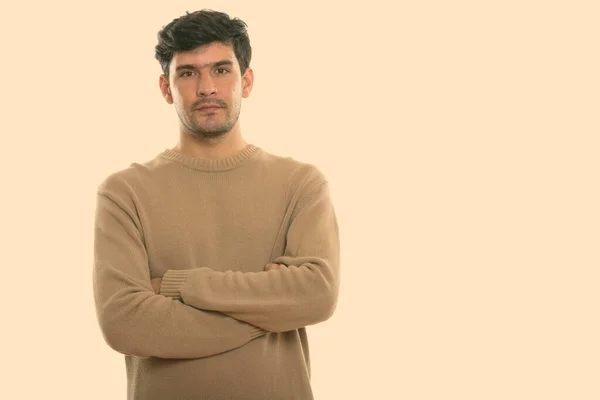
x: 206, y: 89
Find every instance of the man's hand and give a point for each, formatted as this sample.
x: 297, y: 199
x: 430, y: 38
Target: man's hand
x: 274, y: 266
x: 156, y: 282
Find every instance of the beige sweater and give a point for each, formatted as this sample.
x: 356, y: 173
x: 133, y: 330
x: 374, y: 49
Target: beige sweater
x: 222, y: 327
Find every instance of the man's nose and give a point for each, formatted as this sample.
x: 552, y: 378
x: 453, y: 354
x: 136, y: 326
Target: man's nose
x: 206, y: 85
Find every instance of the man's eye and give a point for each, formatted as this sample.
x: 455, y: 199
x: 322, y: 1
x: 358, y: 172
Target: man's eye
x: 186, y: 73
x: 222, y: 70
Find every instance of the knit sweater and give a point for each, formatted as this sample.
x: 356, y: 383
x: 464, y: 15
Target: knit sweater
x: 221, y: 327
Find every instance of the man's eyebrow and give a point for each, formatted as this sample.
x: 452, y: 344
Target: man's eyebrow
x: 198, y: 66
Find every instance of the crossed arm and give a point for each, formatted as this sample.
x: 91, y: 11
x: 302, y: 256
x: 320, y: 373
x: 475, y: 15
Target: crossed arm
x: 133, y: 319
x: 157, y: 282
x: 303, y: 292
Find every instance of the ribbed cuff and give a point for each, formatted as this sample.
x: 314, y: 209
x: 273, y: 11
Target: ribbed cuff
x: 172, y: 282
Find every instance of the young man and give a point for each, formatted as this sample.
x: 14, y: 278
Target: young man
x: 212, y: 258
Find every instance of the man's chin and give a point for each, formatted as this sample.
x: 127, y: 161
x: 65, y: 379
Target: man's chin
x: 208, y: 128
x: 208, y: 133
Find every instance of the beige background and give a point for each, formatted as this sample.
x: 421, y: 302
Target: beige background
x: 461, y: 142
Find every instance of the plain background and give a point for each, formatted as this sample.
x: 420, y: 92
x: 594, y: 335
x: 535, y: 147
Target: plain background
x: 461, y: 142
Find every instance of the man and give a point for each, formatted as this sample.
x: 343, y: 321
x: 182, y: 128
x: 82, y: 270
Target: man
x: 211, y: 259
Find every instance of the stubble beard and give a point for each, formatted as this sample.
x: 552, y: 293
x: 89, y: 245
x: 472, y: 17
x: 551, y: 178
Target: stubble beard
x: 203, y: 128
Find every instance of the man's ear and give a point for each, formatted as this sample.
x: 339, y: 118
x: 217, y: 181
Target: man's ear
x: 165, y: 88
x: 247, y: 82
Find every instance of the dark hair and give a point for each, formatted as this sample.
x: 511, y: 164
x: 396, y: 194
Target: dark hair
x: 201, y: 28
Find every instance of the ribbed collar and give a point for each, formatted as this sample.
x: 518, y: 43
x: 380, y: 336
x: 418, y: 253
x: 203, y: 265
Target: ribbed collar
x: 211, y: 165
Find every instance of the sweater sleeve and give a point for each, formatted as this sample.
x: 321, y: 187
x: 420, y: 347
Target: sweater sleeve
x: 305, y: 293
x: 134, y: 320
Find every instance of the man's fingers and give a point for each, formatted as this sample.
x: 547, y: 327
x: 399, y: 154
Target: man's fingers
x: 273, y: 266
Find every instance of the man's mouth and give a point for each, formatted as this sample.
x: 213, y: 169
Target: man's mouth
x: 208, y: 108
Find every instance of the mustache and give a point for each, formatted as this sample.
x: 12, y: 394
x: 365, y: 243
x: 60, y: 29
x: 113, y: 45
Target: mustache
x: 203, y: 103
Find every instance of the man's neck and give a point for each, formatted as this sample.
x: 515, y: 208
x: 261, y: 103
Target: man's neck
x: 225, y: 146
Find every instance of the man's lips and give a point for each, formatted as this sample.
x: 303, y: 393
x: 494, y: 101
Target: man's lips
x: 203, y: 108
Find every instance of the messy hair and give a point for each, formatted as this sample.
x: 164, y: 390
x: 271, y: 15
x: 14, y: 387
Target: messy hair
x: 201, y: 28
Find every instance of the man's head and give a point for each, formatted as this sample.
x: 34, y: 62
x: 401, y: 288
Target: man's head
x: 205, y: 58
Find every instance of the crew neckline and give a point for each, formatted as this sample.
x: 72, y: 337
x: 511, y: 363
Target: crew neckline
x: 209, y: 164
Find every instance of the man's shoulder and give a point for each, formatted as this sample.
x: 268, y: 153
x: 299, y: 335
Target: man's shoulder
x: 299, y: 172
x: 127, y: 178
